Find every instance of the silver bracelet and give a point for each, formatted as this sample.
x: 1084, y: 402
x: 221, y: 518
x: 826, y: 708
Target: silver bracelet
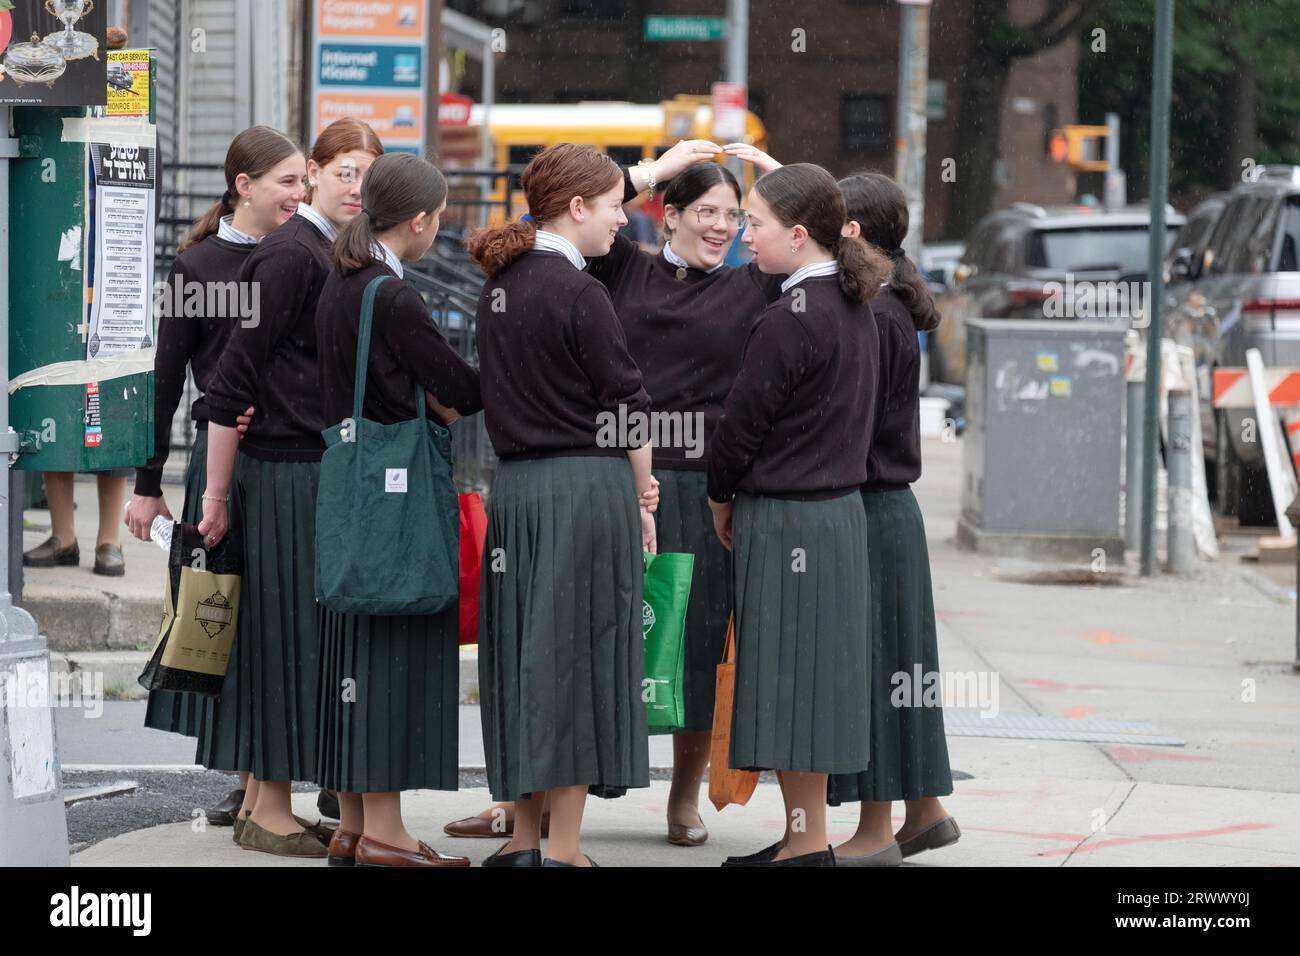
x: 225, y: 500
x: 648, y: 166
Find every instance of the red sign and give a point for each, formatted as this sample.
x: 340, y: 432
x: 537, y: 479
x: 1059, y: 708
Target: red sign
x: 453, y: 109
x: 729, y: 102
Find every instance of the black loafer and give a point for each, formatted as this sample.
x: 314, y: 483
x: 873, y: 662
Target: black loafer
x: 518, y: 858
x: 821, y: 858
x: 327, y: 804
x: 762, y: 856
x: 223, y: 814
x: 549, y: 862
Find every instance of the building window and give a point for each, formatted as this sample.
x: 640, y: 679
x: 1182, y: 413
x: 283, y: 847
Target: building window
x: 866, y: 123
x: 593, y: 9
x: 588, y: 96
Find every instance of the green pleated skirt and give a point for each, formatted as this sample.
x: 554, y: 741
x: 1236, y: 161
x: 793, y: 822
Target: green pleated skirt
x: 561, y: 659
x: 267, y: 717
x: 389, y: 702
x: 684, y: 523
x: 802, y: 635
x: 909, y: 752
x: 167, y: 710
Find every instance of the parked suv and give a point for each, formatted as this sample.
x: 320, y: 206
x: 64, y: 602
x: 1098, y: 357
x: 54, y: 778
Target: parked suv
x: 1015, y: 258
x: 1245, y: 295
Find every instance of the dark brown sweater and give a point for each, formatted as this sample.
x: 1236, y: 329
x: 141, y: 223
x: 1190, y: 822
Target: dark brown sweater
x: 799, y: 420
x: 405, y: 348
x: 895, y: 459
x: 552, y: 359
x: 193, y: 341
x: 271, y: 363
x: 685, y: 334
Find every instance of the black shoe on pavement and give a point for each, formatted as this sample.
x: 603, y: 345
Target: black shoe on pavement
x: 327, y: 804
x: 51, y: 553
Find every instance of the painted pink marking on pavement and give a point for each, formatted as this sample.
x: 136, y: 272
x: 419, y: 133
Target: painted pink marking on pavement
x: 1142, y: 754
x: 1157, y: 838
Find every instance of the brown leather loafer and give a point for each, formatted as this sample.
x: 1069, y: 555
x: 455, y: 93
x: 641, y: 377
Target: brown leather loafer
x: 52, y: 553
x: 679, y: 835
x: 223, y: 814
x: 301, y: 844
x: 343, y: 848
x: 373, y: 853
x: 481, y: 827
x: 109, y: 561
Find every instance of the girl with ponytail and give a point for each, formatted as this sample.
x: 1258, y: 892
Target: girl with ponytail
x: 909, y: 754
x: 401, y: 731
x: 682, y: 310
x: 263, y: 487
x: 560, y: 638
x: 265, y: 181
x: 785, y: 464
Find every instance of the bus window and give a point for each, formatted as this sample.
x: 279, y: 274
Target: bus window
x: 624, y: 155
x: 519, y: 156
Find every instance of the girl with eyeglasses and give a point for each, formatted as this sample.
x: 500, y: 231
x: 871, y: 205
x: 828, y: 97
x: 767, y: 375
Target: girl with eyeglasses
x: 263, y: 488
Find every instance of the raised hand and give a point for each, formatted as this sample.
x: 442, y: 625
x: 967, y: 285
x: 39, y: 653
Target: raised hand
x: 752, y: 154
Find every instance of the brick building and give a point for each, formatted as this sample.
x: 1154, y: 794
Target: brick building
x: 833, y: 103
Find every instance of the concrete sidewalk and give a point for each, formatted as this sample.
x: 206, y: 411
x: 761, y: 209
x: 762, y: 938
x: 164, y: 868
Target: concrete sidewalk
x: 1204, y: 662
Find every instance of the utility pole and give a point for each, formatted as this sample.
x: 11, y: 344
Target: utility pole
x: 1162, y: 69
x: 909, y: 152
x: 33, y: 829
x: 735, y: 60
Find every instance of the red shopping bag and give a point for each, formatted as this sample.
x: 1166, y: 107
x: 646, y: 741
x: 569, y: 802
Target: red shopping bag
x: 473, y: 533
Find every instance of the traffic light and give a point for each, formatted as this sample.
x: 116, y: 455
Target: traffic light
x: 1082, y: 147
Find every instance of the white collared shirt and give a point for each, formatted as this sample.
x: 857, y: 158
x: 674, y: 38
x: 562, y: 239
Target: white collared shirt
x: 554, y: 242
x: 320, y: 222
x: 226, y: 230
x: 827, y: 267
x: 677, y: 260
x: 387, y: 256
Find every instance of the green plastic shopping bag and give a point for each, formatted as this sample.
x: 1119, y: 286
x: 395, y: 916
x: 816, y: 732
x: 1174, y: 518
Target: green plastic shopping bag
x: 663, y: 625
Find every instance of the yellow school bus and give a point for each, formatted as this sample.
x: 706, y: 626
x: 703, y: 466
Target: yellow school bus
x: 627, y: 132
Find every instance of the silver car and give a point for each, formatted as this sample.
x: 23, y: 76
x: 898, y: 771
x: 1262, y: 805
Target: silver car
x: 1242, y: 291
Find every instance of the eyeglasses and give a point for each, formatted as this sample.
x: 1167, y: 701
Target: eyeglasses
x: 708, y: 216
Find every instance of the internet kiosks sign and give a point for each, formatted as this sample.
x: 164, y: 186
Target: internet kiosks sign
x: 370, y: 60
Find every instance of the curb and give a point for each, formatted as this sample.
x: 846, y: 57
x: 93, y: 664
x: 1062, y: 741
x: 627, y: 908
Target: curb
x: 85, y: 619
x: 118, y: 671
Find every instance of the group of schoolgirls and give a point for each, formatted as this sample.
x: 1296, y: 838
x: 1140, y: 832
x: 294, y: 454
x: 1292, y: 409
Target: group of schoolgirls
x: 799, y: 512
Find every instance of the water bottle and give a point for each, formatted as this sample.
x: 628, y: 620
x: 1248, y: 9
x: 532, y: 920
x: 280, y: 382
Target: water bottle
x: 161, y: 532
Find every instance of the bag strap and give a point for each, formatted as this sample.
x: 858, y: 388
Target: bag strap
x: 363, y: 352
x: 729, y: 648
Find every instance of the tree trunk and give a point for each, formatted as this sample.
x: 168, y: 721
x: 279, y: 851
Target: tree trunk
x: 979, y: 122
